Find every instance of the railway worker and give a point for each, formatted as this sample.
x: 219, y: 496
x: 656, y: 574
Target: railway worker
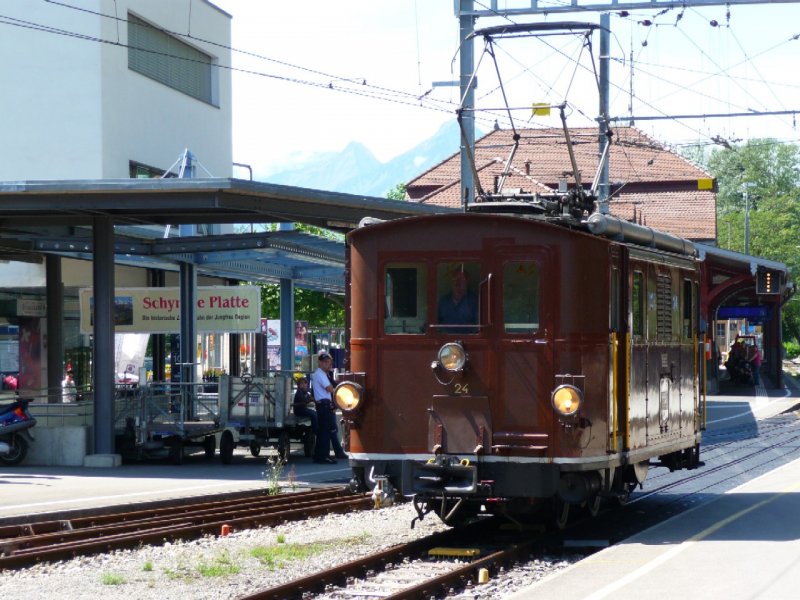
x: 458, y: 306
x: 322, y: 388
x: 301, y: 402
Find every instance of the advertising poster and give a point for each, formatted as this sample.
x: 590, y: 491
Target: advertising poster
x: 272, y: 329
x: 300, y: 341
x: 220, y: 309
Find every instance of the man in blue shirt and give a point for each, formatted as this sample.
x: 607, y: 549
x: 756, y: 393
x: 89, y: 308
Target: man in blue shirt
x: 322, y: 389
x: 459, y: 306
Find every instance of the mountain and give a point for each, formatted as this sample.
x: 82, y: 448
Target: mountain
x: 356, y: 171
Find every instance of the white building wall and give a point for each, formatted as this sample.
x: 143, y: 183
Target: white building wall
x: 151, y: 123
x: 51, y: 94
x: 73, y: 110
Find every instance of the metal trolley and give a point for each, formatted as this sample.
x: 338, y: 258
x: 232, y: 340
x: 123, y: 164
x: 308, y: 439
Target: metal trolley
x: 164, y: 420
x: 255, y: 412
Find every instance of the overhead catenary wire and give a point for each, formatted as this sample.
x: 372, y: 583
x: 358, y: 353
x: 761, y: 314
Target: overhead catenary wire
x: 359, y: 86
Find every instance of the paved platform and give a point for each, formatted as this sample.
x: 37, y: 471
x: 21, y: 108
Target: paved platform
x: 36, y: 490
x: 743, y: 545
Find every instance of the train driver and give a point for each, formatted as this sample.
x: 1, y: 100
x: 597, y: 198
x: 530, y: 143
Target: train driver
x: 458, y: 306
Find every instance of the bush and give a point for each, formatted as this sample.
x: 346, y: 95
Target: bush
x: 791, y: 349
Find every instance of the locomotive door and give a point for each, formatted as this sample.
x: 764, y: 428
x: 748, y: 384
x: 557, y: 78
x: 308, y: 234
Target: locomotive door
x: 618, y: 346
x: 635, y: 432
x: 664, y: 354
x: 524, y: 350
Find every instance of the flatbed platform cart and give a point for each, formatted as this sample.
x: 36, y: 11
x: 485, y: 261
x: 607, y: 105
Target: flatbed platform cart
x: 256, y: 412
x: 164, y: 420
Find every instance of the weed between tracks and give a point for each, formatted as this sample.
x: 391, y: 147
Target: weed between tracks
x: 275, y: 557
x: 221, y: 566
x: 112, y: 579
x: 272, y: 474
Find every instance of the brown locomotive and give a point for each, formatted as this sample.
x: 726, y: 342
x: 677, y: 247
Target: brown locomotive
x: 497, y: 361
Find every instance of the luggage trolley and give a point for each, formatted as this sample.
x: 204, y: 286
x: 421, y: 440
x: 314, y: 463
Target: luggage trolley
x: 256, y: 412
x: 163, y: 419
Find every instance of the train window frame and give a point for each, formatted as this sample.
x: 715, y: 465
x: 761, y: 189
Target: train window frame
x: 637, y: 303
x: 446, y: 271
x: 688, y: 312
x: 406, y: 324
x: 516, y: 326
x: 614, y: 299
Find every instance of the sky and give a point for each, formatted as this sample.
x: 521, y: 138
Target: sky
x: 328, y: 73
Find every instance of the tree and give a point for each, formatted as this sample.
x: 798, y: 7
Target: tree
x: 318, y: 308
x: 398, y: 192
x: 773, y: 202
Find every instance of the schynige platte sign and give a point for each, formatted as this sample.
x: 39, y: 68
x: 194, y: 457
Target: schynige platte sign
x: 219, y: 309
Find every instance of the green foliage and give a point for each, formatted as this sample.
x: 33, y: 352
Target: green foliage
x: 792, y: 350
x: 275, y: 557
x: 771, y: 168
x: 318, y: 308
x: 398, y: 192
x: 773, y: 171
x: 112, y: 579
x: 221, y: 566
x: 148, y: 566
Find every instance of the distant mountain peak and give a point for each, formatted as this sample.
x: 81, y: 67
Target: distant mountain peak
x: 355, y: 169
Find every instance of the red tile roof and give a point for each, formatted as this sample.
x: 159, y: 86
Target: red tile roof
x: 643, y: 173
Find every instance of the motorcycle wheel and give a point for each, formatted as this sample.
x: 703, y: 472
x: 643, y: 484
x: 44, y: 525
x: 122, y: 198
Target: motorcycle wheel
x: 19, y: 448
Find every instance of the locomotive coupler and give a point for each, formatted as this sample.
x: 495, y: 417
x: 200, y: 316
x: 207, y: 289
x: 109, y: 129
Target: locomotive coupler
x: 422, y: 507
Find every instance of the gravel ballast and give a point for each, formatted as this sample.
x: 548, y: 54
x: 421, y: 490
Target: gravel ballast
x: 245, y: 561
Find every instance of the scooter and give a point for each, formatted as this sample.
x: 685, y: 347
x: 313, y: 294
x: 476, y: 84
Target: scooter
x: 15, y: 435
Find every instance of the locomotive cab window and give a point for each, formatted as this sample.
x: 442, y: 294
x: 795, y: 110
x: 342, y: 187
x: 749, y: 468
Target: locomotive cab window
x: 405, y: 293
x: 457, y: 293
x: 521, y: 297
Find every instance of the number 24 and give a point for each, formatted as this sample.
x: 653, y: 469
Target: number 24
x: 462, y: 388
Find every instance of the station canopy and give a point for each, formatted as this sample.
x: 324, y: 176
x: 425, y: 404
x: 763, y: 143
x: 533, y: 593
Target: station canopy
x: 56, y: 217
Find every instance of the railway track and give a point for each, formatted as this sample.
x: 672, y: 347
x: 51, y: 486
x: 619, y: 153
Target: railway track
x: 25, y: 544
x: 408, y: 572
x: 426, y: 568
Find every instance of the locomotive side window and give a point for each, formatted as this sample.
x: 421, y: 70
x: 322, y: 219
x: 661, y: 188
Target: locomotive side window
x: 637, y: 304
x: 405, y: 307
x: 521, y: 297
x: 688, y: 309
x: 614, y: 322
x: 457, y: 293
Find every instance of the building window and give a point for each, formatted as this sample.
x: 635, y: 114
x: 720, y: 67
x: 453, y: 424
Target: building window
x: 168, y: 60
x: 141, y: 171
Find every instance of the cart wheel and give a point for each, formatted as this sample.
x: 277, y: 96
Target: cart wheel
x: 309, y: 439
x: 284, y: 446
x: 176, y: 453
x: 226, y: 447
x: 255, y: 448
x: 209, y: 446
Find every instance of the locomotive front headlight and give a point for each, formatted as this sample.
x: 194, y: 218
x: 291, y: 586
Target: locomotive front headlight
x: 348, y: 396
x: 452, y: 357
x: 567, y: 399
